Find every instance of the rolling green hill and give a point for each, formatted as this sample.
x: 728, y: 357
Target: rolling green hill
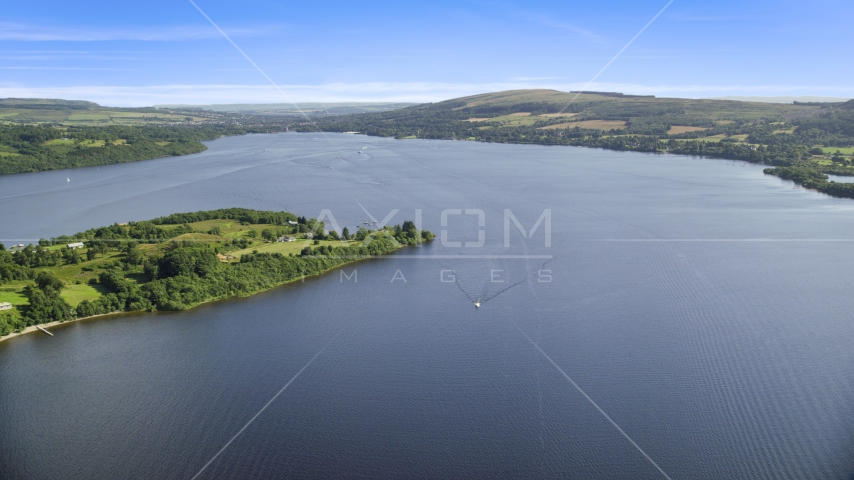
x: 79, y: 112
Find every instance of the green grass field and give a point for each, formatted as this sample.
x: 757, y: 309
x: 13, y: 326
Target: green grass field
x: 61, y: 141
x: 843, y: 150
x: 74, y: 294
x: 590, y: 124
x: 286, y: 248
x: 93, y: 116
x: 15, y: 297
x: 512, y: 120
x: 230, y: 229
x: 677, y: 129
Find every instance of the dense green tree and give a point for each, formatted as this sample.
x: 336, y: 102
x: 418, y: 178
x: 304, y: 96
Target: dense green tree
x: 45, y: 279
x: 189, y: 259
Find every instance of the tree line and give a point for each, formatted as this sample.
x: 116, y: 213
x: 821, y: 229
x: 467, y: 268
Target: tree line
x: 25, y: 147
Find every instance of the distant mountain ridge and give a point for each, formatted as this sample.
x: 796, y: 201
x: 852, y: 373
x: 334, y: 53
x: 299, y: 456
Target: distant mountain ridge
x: 46, y: 103
x: 331, y: 108
x: 784, y: 99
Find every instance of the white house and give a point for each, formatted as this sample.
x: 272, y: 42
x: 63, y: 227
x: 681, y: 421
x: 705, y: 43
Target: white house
x: 287, y: 238
x: 291, y: 222
x: 75, y: 245
x: 5, y: 306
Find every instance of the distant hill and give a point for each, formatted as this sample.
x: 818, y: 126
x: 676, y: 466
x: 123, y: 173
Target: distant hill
x: 45, y: 101
x: 80, y: 112
x: 53, y: 102
x: 804, y: 99
x: 313, y: 108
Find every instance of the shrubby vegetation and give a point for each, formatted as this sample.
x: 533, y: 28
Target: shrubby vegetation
x: 811, y: 177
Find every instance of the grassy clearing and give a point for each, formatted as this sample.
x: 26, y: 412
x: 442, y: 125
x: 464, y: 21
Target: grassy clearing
x: 225, y: 226
x: 590, y: 124
x: 89, y: 116
x: 69, y: 142
x: 677, y: 129
x: 785, y: 131
x: 61, y: 141
x: 15, y: 297
x: 195, y: 237
x: 842, y: 150
x: 718, y: 138
x: 557, y: 115
x: 74, y: 293
x: 511, y: 120
x: 286, y: 248
x: 82, y: 272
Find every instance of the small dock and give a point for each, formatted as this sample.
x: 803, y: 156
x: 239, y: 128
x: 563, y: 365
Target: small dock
x: 44, y: 330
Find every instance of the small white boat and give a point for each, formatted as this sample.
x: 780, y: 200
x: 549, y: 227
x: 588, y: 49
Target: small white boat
x: 477, y: 304
x: 67, y: 179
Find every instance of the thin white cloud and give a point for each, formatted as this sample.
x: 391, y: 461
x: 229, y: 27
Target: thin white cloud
x: 532, y: 79
x: 561, y: 25
x: 381, y: 91
x: 679, y: 17
x: 57, y: 68
x: 45, y: 33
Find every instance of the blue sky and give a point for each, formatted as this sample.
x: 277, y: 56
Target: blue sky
x: 143, y: 53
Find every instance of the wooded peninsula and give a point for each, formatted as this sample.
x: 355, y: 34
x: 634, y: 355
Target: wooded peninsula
x: 177, y: 262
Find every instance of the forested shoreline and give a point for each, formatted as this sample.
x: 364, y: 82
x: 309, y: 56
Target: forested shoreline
x: 806, y: 141
x: 36, y: 148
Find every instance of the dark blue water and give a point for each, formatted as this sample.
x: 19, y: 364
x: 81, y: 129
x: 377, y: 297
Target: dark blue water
x: 703, y: 306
